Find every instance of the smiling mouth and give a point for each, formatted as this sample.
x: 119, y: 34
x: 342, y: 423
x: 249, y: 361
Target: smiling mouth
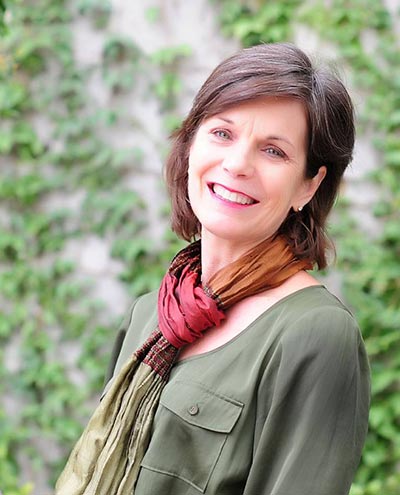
x: 231, y: 196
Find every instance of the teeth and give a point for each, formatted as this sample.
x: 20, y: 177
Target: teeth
x: 232, y: 196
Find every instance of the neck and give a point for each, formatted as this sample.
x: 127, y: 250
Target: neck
x: 217, y: 253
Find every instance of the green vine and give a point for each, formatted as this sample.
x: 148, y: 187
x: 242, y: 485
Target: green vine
x: 256, y: 22
x: 3, y: 24
x: 57, y: 334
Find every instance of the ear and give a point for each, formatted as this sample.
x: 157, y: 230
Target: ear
x: 309, y: 188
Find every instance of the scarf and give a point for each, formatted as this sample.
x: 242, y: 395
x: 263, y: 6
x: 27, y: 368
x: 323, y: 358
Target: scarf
x: 106, y: 459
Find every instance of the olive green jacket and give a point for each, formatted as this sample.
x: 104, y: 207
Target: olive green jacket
x: 281, y: 409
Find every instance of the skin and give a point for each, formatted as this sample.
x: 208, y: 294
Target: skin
x: 246, y: 172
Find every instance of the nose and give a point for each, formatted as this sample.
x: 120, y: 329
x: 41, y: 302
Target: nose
x: 238, y: 161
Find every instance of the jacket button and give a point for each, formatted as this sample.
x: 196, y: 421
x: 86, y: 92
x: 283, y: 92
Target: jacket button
x: 193, y: 410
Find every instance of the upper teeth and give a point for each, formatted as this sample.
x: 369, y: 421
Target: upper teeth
x: 232, y: 196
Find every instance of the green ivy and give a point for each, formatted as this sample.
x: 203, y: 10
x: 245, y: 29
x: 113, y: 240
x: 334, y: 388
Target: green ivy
x: 3, y: 24
x: 258, y: 22
x: 45, y: 308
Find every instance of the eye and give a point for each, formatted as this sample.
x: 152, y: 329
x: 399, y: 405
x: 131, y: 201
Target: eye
x: 276, y: 152
x: 221, y: 134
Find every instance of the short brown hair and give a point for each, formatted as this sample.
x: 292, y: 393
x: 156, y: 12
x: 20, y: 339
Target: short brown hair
x: 278, y: 69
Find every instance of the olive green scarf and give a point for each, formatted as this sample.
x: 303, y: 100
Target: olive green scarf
x: 106, y: 459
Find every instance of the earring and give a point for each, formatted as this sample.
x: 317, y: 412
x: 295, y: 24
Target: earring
x: 299, y: 208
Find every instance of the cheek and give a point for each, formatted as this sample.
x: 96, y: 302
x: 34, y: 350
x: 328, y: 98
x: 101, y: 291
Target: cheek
x: 281, y: 188
x: 193, y: 169
x: 193, y: 184
x: 195, y: 149
x: 197, y: 166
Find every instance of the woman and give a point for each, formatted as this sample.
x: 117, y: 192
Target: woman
x: 256, y: 374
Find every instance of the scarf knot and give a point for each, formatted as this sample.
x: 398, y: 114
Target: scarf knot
x: 184, y: 309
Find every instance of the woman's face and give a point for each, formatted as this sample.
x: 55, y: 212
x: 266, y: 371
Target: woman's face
x: 247, y: 169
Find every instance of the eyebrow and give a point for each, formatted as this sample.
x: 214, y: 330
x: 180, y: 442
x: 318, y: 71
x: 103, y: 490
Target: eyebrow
x: 273, y: 137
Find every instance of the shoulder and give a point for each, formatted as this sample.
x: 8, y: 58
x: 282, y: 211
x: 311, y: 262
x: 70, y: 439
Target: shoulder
x: 315, y: 309
x: 321, y: 329
x: 143, y: 304
x: 141, y: 313
x: 140, y: 320
x: 319, y: 347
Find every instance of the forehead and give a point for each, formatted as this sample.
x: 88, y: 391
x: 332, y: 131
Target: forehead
x: 263, y: 106
x: 284, y: 115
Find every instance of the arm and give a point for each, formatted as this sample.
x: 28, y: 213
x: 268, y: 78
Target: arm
x: 312, y: 411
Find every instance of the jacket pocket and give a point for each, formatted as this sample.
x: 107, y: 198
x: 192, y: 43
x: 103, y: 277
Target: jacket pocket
x: 190, y: 429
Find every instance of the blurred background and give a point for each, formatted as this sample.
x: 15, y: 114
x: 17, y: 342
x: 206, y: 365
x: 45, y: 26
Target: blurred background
x: 90, y: 90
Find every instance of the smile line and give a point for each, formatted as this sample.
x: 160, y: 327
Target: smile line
x: 234, y: 197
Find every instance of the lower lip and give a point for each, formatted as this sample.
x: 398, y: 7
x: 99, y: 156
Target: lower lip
x: 226, y: 202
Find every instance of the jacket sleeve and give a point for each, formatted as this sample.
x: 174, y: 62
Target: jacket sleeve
x: 312, y: 410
